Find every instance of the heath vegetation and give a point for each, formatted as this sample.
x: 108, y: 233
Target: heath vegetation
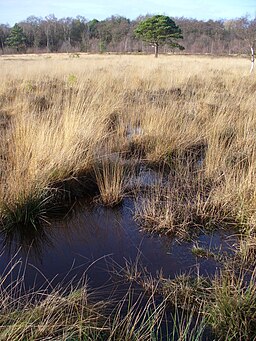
x: 86, y: 127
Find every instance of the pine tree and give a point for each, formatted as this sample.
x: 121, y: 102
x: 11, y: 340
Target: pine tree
x: 159, y: 30
x: 17, y: 38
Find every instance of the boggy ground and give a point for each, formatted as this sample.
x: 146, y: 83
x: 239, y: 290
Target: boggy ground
x: 85, y: 126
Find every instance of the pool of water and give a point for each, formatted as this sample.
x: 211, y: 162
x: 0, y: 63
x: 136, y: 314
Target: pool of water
x: 99, y: 242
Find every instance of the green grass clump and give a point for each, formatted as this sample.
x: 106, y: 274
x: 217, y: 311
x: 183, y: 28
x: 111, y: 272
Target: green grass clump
x: 55, y: 317
x: 27, y: 213
x: 232, y: 313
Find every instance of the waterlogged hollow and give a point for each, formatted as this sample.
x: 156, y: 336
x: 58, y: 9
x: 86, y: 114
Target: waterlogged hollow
x: 102, y: 242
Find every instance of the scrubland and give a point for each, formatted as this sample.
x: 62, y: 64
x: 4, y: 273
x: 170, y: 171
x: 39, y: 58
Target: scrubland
x: 83, y: 126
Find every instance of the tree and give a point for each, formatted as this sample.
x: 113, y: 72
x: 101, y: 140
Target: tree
x: 16, y: 38
x: 79, y: 34
x: 159, y: 30
x: 53, y: 32
x: 245, y: 29
x: 4, y: 32
x: 66, y: 28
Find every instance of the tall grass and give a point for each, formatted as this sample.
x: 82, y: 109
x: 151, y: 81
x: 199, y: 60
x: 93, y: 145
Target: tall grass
x: 232, y: 313
x: 194, y: 116
x: 75, y: 313
x: 189, y: 112
x: 110, y: 178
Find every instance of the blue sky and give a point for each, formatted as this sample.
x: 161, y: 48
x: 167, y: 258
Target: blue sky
x: 12, y: 11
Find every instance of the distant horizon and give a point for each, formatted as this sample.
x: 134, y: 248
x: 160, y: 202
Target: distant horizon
x: 15, y: 11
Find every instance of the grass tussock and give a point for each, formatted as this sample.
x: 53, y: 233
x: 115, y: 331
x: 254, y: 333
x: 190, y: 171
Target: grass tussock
x: 181, y: 204
x: 226, y: 302
x: 54, y: 317
x: 26, y: 213
x: 232, y: 313
x: 110, y: 179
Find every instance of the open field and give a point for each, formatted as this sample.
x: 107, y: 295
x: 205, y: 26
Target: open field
x: 75, y: 126
x: 62, y: 117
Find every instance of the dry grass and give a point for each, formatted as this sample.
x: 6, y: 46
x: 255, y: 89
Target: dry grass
x: 59, y: 114
x: 61, y: 118
x: 110, y: 178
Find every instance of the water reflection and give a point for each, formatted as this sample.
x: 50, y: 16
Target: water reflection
x: 95, y: 240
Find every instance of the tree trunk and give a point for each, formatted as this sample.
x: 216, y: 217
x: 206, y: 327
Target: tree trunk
x: 156, y: 50
x: 252, y: 59
x: 47, y: 39
x: 2, y: 46
x: 125, y: 44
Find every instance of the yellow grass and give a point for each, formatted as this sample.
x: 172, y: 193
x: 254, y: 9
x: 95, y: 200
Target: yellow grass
x: 111, y: 182
x: 58, y: 114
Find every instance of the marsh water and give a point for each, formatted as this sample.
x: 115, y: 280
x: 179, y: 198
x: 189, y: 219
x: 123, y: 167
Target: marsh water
x: 100, y: 242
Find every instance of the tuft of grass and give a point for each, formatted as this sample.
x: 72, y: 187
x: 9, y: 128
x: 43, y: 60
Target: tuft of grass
x: 110, y: 178
x: 72, y: 79
x: 185, y: 291
x: 137, y: 318
x: 201, y: 252
x: 26, y: 213
x: 232, y: 313
x: 55, y: 316
x: 181, y: 204
x: 188, y: 325
x: 245, y: 251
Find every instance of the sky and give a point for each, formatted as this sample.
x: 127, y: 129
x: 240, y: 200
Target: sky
x: 12, y: 11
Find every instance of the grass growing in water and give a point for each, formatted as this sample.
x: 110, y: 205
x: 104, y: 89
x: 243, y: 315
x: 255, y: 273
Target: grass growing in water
x: 75, y: 314
x: 200, y: 116
x: 110, y: 178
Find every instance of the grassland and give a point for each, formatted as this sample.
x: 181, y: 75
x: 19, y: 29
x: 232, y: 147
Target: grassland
x: 75, y: 127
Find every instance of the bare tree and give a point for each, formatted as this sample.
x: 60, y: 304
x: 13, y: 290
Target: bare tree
x: 245, y: 29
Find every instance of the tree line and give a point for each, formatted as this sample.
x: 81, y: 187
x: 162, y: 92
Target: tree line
x: 118, y: 34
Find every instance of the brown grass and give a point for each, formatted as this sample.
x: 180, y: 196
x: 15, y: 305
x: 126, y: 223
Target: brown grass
x: 59, y: 114
x: 110, y: 178
x: 66, y: 122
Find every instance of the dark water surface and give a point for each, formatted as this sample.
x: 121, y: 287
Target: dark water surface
x: 100, y: 241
